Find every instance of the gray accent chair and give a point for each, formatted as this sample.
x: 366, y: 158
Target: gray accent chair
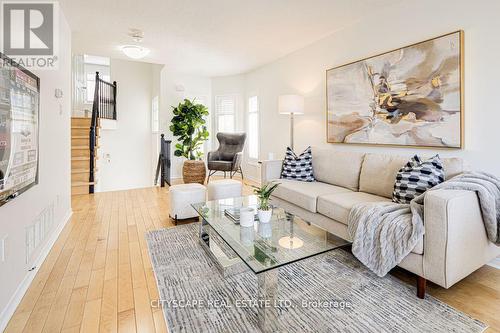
x: 228, y: 157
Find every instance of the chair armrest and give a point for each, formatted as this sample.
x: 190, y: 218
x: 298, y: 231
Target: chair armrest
x: 213, y: 155
x: 455, y: 240
x: 270, y: 170
x: 237, y: 161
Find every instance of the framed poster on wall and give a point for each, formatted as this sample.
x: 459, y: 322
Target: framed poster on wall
x: 411, y: 96
x: 19, y: 108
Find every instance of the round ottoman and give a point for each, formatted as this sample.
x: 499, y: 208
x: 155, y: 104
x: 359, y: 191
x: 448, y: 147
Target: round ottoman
x: 181, y: 198
x: 224, y: 189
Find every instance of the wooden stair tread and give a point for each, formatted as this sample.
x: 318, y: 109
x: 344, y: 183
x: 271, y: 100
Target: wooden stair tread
x: 83, y: 158
x: 80, y: 132
x: 83, y: 183
x: 82, y: 127
x: 83, y: 147
x: 83, y: 170
x: 82, y: 136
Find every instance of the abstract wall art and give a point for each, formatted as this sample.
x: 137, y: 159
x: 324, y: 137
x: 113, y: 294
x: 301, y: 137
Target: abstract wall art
x: 412, y: 96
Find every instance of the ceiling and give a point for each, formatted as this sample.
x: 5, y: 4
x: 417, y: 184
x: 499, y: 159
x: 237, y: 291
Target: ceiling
x: 210, y: 37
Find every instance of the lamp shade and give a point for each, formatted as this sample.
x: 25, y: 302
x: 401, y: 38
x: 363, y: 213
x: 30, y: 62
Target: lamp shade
x: 288, y: 104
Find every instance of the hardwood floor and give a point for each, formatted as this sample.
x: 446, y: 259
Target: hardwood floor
x: 98, y: 276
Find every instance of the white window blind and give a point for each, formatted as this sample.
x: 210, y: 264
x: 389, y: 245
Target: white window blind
x: 225, y: 108
x: 253, y: 128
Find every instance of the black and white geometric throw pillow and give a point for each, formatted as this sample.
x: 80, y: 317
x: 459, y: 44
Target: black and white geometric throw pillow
x: 416, y: 177
x: 298, y: 167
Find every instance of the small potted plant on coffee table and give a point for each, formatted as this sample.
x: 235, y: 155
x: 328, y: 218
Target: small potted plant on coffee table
x: 264, y: 210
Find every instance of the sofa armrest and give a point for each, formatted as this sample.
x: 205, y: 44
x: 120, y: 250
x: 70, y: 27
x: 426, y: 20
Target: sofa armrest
x: 455, y: 240
x: 270, y: 170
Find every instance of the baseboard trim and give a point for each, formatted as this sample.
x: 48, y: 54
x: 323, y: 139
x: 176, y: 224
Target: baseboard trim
x: 495, y: 263
x: 14, y: 301
x: 255, y: 180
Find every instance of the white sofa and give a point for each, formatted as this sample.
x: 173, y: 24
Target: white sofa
x: 455, y: 242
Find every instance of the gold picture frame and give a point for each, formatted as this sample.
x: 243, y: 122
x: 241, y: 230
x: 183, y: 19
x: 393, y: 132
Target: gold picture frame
x: 418, y: 124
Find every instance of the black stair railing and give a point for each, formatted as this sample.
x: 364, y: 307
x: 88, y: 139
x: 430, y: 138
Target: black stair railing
x: 164, y: 163
x: 104, y: 106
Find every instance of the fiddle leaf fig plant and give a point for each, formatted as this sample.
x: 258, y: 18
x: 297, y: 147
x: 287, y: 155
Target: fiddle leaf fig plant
x: 188, y: 126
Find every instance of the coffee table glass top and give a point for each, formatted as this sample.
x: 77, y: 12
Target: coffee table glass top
x: 283, y: 240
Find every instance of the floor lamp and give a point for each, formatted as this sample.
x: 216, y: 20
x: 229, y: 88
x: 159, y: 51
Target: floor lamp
x: 292, y: 105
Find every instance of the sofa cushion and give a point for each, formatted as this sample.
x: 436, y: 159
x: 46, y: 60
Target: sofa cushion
x: 378, y: 173
x: 337, y: 168
x: 220, y: 165
x: 338, y: 205
x: 453, y: 166
x: 305, y: 194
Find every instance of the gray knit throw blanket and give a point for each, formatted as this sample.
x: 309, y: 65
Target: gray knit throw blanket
x: 385, y: 233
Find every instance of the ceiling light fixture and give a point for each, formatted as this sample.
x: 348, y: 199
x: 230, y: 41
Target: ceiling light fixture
x: 135, y: 51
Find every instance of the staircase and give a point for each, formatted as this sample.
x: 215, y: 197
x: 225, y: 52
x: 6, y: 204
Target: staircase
x: 80, y: 155
x: 85, y: 134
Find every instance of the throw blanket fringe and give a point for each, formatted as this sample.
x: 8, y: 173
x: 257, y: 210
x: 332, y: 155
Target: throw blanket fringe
x: 385, y: 233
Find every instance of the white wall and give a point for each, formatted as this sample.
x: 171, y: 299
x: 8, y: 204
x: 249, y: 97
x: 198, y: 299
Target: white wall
x: 54, y: 183
x: 126, y: 151
x: 174, y: 88
x: 155, y: 137
x: 303, y: 72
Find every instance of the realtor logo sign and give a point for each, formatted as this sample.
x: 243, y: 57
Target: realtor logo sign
x: 30, y: 33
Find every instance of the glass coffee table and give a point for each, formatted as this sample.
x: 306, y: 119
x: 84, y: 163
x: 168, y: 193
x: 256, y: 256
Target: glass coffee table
x: 263, y: 248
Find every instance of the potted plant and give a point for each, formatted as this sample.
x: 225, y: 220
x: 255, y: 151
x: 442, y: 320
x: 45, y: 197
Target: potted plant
x: 188, y: 126
x: 264, y: 210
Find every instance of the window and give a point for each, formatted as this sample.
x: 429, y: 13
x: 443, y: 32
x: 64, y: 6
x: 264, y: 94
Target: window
x: 225, y: 108
x: 253, y: 128
x: 95, y: 60
x: 91, y: 65
x: 90, y: 84
x: 155, y: 121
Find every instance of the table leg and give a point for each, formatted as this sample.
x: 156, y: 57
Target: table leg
x: 204, y: 234
x: 267, y: 297
x: 227, y: 262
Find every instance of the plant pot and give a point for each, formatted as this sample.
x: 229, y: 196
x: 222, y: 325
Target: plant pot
x: 194, y: 172
x: 265, y: 215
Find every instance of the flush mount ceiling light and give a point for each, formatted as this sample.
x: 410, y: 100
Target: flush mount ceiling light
x: 135, y: 51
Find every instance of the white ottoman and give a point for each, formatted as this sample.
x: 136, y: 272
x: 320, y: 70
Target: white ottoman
x: 181, y: 198
x: 224, y: 189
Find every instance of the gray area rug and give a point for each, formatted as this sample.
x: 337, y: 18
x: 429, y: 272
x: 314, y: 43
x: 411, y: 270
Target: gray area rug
x: 332, y: 292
